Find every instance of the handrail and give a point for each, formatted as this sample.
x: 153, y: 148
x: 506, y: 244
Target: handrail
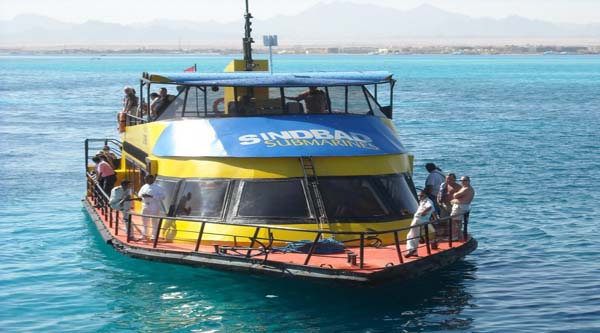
x: 283, y: 228
x: 101, y: 198
x: 104, y: 142
x: 318, y: 234
x: 277, y: 227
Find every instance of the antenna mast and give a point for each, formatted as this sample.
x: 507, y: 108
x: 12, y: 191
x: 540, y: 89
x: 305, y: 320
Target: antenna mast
x: 247, y: 41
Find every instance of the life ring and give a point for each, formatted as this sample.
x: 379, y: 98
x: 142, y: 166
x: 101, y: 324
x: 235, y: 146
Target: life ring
x: 122, y: 121
x: 216, y: 102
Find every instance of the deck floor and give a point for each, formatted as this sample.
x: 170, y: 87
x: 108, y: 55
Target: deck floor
x: 375, y: 259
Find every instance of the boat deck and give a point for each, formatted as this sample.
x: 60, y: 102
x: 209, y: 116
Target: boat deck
x: 381, y: 260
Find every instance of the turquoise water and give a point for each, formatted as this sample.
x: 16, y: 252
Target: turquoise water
x: 523, y: 127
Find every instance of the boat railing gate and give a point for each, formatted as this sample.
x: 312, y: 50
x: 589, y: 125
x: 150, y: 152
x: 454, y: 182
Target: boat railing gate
x: 94, y: 145
x: 98, y: 195
x: 135, y: 120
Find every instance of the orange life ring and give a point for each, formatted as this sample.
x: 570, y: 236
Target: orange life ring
x: 122, y: 121
x: 216, y: 102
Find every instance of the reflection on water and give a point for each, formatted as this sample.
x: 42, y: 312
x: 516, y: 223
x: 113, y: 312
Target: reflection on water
x: 167, y: 297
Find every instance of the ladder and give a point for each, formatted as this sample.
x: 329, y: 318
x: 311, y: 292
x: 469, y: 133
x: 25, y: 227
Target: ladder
x: 312, y: 181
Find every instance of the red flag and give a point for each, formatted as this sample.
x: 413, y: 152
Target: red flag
x: 190, y: 69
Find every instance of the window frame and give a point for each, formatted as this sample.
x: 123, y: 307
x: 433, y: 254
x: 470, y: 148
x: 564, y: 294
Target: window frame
x: 224, y: 206
x: 393, y: 213
x: 236, y: 201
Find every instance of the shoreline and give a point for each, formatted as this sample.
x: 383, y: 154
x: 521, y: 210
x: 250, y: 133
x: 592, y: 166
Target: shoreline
x: 296, y: 50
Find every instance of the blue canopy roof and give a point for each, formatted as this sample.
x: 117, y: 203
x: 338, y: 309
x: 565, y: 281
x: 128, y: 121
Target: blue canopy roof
x: 264, y: 79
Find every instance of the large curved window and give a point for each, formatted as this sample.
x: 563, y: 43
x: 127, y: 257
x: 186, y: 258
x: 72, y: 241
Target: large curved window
x: 367, y: 197
x: 169, y: 187
x: 203, y: 198
x: 174, y: 107
x: 399, y: 194
x: 352, y: 197
x: 273, y: 199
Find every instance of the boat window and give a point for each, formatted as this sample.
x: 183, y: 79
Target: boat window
x: 175, y: 107
x: 381, y: 93
x: 373, y: 103
x: 195, y: 102
x: 256, y: 101
x: 273, y: 198
x: 170, y: 188
x: 351, y: 197
x: 204, y: 102
x: 357, y: 103
x: 215, y: 101
x: 337, y: 96
x: 399, y: 193
x: 203, y: 198
x: 209, y: 101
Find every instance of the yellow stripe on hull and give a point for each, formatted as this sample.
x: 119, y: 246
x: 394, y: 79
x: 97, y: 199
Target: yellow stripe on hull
x: 282, y: 167
x: 182, y: 231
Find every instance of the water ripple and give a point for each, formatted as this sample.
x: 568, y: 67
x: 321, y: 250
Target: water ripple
x: 524, y: 128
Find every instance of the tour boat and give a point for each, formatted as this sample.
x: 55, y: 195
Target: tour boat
x: 271, y: 185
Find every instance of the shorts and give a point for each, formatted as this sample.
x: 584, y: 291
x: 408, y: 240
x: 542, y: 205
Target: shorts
x: 460, y: 209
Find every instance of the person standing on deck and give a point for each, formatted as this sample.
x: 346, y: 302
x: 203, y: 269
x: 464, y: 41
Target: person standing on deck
x: 461, y: 205
x: 445, y: 196
x: 130, y: 101
x: 130, y: 106
x: 106, y: 176
x: 422, y: 215
x: 120, y: 199
x: 111, y: 158
x: 152, y: 195
x: 433, y: 183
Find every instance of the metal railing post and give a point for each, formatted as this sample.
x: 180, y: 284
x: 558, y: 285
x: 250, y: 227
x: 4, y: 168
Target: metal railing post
x: 200, y: 236
x: 450, y: 233
x: 312, y: 248
x: 427, y: 239
x: 128, y: 226
x: 157, y: 233
x: 398, y: 249
x: 117, y: 215
x: 252, y: 242
x: 465, y: 222
x: 362, y: 250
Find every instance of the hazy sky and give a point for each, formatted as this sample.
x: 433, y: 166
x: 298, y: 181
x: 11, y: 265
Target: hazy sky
x: 130, y: 11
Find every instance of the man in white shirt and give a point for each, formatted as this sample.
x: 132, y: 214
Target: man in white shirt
x: 422, y: 215
x: 120, y: 199
x: 152, y: 195
x: 432, y: 184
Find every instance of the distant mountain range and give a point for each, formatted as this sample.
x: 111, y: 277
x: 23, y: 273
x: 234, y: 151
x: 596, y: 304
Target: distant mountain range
x: 338, y: 22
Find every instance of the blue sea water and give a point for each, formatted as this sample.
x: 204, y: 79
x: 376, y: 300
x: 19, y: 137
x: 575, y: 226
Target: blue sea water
x: 525, y: 128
